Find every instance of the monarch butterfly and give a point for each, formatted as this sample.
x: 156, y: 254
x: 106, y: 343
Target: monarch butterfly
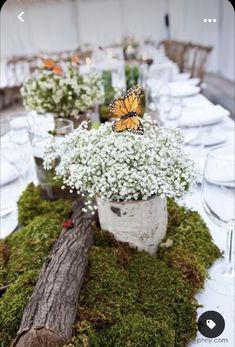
x: 128, y: 109
x: 57, y: 70
x: 50, y: 64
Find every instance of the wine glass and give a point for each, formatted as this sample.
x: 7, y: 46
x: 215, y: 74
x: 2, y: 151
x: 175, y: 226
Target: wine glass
x: 218, y: 196
x: 41, y: 131
x: 175, y: 112
x: 18, y: 128
x: 163, y: 101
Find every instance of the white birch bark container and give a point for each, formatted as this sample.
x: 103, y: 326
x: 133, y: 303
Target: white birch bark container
x: 142, y: 223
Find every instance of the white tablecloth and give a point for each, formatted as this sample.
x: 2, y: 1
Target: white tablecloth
x: 210, y: 299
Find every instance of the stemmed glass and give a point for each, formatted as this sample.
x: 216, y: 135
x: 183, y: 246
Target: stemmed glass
x: 175, y: 113
x: 218, y: 196
x: 18, y: 128
x: 41, y: 131
x: 20, y: 153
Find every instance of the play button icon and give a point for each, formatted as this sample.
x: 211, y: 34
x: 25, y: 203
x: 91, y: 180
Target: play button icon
x: 211, y: 324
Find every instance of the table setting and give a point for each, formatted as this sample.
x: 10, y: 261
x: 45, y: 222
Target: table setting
x: 154, y: 183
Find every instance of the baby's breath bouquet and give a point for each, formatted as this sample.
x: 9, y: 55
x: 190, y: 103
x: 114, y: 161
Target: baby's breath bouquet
x: 66, y: 94
x: 123, y: 166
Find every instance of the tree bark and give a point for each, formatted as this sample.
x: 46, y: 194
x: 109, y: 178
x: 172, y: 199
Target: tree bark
x: 51, y: 311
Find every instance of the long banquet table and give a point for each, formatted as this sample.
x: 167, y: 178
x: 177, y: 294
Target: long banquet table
x: 208, y: 298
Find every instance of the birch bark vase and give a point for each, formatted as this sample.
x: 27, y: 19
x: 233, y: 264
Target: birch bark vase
x: 141, y: 223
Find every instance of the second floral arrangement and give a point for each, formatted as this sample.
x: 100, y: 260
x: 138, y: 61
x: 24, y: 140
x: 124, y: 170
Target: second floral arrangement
x: 65, y: 93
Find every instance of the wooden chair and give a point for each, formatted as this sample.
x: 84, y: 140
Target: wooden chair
x: 189, y: 57
x: 196, y: 58
x: 175, y: 50
x: 20, y: 68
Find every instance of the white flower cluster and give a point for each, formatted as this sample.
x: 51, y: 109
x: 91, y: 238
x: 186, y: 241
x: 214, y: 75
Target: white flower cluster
x: 63, y: 95
x: 123, y: 166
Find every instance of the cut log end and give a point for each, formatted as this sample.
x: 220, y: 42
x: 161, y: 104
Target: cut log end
x: 38, y: 338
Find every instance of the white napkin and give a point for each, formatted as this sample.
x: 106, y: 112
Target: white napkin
x: 203, y: 116
x: 8, y: 172
x: 19, y: 123
x: 183, y: 89
x: 194, y: 81
x: 182, y: 76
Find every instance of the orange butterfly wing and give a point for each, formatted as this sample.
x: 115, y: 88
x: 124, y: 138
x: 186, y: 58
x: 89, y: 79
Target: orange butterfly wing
x: 132, y: 104
x: 48, y: 63
x: 58, y: 70
x: 131, y: 124
x: 129, y: 103
x: 118, y: 108
x: 119, y: 126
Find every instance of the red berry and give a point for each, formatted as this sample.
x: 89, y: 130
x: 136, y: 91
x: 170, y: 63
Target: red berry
x: 68, y: 224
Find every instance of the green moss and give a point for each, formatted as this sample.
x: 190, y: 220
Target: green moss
x: 28, y: 249
x: 128, y: 298
x: 30, y: 246
x: 192, y: 250
x: 138, y: 330
x: 31, y: 204
x: 12, y: 305
x: 23, y: 253
x: 132, y: 299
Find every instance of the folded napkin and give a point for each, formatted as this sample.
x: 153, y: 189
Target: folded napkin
x: 183, y: 89
x: 8, y: 172
x: 195, y: 117
x: 19, y: 123
x: 194, y: 81
x: 182, y: 76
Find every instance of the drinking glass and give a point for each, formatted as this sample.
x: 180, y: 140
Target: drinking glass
x: 19, y: 152
x: 41, y: 131
x: 18, y: 128
x: 163, y: 102
x: 218, y: 196
x: 175, y: 112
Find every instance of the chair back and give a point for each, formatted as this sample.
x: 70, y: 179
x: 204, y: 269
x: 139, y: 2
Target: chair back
x: 188, y: 56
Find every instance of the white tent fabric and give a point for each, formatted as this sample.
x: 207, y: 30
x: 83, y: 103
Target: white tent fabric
x: 226, y: 44
x: 187, y: 24
x: 67, y: 24
x: 48, y: 26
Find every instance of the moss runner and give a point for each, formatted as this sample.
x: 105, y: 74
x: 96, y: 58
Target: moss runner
x: 129, y: 298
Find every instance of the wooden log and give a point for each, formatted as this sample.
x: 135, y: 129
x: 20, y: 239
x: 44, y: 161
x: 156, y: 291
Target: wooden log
x: 51, y: 311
